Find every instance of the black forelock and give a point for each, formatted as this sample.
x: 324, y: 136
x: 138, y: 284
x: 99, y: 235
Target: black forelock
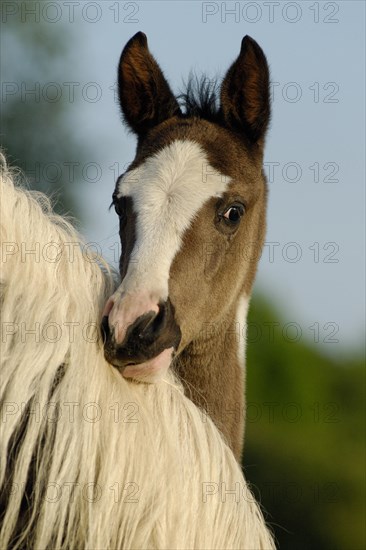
x: 200, y: 98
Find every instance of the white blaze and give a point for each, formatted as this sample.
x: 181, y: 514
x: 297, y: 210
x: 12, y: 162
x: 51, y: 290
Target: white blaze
x: 168, y: 189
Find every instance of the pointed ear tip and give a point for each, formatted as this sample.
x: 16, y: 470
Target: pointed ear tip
x: 139, y: 37
x: 247, y: 40
x: 138, y: 40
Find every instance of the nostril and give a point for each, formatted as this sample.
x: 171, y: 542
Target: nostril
x: 105, y: 328
x: 145, y: 325
x: 159, y: 320
x: 151, y: 325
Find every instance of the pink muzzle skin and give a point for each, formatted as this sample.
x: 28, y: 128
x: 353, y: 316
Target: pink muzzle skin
x: 123, y: 311
x: 151, y: 371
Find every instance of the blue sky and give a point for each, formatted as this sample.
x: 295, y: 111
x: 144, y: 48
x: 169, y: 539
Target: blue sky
x: 315, y: 148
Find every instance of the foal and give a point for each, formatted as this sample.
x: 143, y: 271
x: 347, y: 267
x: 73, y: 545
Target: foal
x: 191, y: 206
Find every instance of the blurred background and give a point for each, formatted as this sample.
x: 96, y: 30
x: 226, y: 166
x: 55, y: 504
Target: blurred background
x: 60, y: 122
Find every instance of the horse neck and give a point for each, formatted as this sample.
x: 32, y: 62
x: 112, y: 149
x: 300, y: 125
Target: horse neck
x: 212, y: 369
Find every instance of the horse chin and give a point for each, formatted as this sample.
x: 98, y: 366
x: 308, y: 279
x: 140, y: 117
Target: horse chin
x: 151, y: 371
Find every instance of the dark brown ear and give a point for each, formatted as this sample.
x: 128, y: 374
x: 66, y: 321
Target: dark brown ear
x: 245, y: 98
x: 144, y: 94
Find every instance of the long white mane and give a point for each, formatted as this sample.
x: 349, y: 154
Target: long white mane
x: 89, y: 460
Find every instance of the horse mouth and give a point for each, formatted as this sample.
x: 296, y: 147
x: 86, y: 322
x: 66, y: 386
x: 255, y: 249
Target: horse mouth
x: 150, y: 371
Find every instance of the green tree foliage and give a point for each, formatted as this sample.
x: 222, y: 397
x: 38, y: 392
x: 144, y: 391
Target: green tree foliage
x: 305, y: 438
x: 36, y: 133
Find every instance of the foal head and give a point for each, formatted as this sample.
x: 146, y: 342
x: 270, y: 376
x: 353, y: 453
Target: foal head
x: 189, y: 205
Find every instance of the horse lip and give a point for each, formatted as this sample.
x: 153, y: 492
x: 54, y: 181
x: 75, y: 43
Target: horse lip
x: 121, y: 364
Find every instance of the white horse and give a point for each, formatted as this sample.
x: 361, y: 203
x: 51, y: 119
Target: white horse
x: 89, y: 459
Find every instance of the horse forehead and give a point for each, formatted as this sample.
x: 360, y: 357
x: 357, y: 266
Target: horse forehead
x: 178, y: 176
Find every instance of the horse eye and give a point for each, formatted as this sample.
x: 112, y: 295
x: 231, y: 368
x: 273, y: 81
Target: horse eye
x: 117, y: 209
x: 234, y: 213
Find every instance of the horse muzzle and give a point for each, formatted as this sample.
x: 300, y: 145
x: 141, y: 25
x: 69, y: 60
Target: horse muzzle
x: 148, y: 345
